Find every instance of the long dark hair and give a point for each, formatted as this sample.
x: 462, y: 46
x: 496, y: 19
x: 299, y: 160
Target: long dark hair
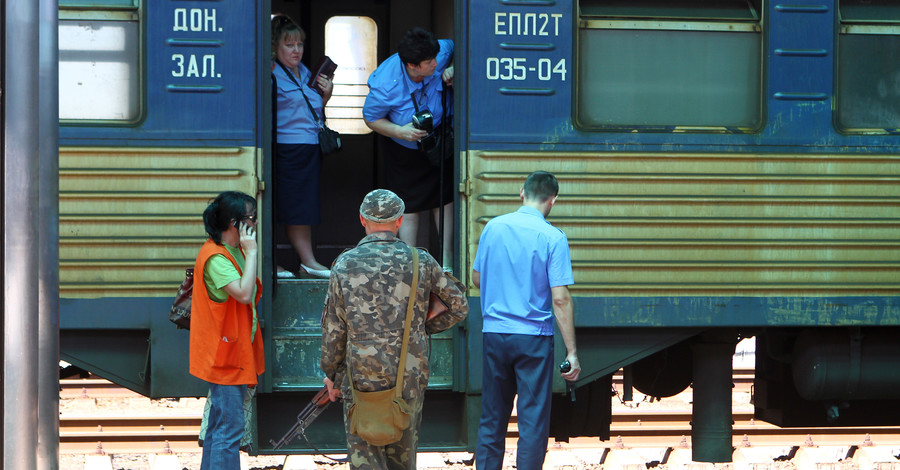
x: 225, y: 208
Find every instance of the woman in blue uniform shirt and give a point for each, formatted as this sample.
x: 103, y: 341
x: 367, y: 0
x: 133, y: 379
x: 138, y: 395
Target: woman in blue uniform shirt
x: 298, y: 160
x: 413, y: 77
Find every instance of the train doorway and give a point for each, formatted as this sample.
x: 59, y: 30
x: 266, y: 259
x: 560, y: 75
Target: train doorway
x: 358, y: 35
x: 349, y: 174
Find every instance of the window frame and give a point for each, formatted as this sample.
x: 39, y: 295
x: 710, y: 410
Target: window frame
x: 622, y: 20
x: 337, y: 123
x: 856, y: 24
x: 119, y: 11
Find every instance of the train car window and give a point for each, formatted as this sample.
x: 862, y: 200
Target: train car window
x: 352, y: 43
x: 99, y: 64
x: 125, y: 4
x: 667, y: 9
x: 657, y: 65
x: 868, y: 86
x: 869, y: 11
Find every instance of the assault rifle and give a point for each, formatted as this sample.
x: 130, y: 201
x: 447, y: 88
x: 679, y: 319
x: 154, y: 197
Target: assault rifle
x: 313, y: 409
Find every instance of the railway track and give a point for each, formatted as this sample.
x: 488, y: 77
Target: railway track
x: 101, y: 388
x: 93, y: 388
x: 147, y: 433
x: 666, y: 428
x: 127, y: 432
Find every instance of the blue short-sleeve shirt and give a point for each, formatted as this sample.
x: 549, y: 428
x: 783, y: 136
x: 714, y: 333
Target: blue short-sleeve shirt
x: 520, y: 257
x: 390, y: 88
x: 296, y: 124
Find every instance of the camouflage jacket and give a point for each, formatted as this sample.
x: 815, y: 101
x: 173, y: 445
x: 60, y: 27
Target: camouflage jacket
x: 365, y: 311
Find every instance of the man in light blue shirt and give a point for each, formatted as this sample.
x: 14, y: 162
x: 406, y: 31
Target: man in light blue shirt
x: 523, y: 269
x: 410, y: 80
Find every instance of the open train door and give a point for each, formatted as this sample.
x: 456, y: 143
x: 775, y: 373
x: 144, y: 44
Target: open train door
x: 354, y: 35
x: 357, y: 35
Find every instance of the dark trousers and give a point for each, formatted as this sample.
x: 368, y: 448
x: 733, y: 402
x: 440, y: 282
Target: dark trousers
x: 523, y: 365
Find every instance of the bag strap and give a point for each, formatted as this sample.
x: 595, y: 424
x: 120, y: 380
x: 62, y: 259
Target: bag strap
x: 409, y: 310
x: 406, y: 327
x: 308, y: 105
x: 415, y: 104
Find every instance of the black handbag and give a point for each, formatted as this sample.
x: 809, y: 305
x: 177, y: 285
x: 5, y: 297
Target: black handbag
x: 443, y: 147
x: 329, y: 140
x: 443, y: 136
x: 180, y: 313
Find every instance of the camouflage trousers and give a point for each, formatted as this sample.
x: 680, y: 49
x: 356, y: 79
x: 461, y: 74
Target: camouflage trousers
x: 400, y: 455
x: 247, y: 438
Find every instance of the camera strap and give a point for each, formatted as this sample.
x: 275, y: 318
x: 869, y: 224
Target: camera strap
x: 311, y: 110
x: 415, y: 105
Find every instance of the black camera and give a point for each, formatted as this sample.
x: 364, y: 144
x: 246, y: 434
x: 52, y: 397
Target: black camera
x: 424, y: 120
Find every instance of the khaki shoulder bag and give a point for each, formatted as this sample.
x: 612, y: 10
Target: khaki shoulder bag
x: 381, y: 417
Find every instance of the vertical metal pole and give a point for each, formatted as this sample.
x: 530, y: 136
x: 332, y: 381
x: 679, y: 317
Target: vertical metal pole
x: 628, y: 383
x: 711, y: 421
x: 48, y: 239
x: 266, y: 201
x: 20, y: 233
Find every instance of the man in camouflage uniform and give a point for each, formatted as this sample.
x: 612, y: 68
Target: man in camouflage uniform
x: 362, y: 325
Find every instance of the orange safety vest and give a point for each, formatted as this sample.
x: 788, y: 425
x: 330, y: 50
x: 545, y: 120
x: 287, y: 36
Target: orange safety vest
x: 221, y: 351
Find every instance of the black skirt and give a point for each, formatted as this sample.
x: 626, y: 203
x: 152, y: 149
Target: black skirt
x: 408, y: 173
x: 298, y: 170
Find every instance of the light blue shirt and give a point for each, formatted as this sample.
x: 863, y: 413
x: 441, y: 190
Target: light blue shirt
x: 390, y: 88
x: 295, y: 123
x: 520, y: 257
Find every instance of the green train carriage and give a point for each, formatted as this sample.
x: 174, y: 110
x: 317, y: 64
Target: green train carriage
x: 728, y: 169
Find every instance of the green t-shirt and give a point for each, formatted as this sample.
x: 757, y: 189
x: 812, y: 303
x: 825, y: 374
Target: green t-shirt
x: 219, y: 272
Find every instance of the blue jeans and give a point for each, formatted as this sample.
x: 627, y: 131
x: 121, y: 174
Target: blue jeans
x: 225, y: 428
x: 515, y: 365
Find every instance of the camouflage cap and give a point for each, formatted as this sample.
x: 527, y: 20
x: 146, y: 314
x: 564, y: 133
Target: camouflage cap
x: 382, y: 206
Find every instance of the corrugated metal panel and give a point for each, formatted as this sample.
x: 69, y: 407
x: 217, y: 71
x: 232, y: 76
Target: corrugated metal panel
x: 131, y: 218
x: 709, y: 224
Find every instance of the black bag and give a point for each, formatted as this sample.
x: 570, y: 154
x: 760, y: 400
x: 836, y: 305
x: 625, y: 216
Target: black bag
x: 329, y: 140
x: 180, y: 314
x: 443, y: 138
x: 443, y: 135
